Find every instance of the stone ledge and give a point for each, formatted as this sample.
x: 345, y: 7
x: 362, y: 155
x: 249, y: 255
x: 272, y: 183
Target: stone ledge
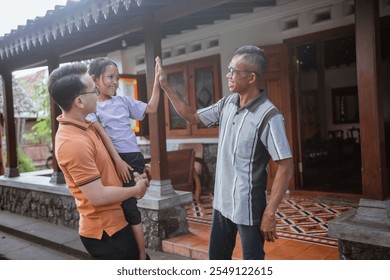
x: 32, y: 195
x: 35, y: 181
x: 346, y: 227
x: 40, y: 181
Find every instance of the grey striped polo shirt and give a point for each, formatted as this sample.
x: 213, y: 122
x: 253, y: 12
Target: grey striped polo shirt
x: 248, y: 137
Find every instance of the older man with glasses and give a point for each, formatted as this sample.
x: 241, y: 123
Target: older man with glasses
x: 251, y: 131
x: 88, y: 169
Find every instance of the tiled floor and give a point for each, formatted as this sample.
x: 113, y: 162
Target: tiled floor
x: 195, y: 244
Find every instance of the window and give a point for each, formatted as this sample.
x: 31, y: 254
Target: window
x: 198, y: 83
x: 135, y: 87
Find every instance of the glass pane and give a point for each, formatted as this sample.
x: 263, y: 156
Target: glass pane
x: 307, y: 57
x: 204, y: 89
x: 328, y: 98
x: 176, y: 81
x: 340, y: 52
x: 310, y: 106
x: 308, y: 88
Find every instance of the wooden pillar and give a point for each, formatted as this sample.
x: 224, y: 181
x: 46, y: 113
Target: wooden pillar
x: 11, y: 169
x: 160, y: 201
x: 368, y: 60
x: 57, y: 177
x: 1, y: 145
x: 158, y: 151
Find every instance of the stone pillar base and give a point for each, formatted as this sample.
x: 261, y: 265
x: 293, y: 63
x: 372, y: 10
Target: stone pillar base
x: 163, y: 213
x: 57, y: 177
x: 349, y: 250
x: 363, y: 233
x: 11, y: 172
x: 163, y: 224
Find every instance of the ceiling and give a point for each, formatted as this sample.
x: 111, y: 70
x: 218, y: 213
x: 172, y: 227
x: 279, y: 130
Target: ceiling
x: 89, y: 28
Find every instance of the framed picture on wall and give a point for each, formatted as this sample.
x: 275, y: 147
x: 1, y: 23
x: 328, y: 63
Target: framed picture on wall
x: 345, y: 105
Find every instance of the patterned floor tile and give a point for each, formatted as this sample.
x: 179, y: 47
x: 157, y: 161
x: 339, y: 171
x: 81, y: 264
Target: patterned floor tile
x: 298, y: 218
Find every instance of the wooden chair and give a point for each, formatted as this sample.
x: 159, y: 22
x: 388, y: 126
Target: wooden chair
x: 180, y: 169
x: 199, y: 166
x: 336, y: 134
x: 335, y: 145
x: 354, y: 133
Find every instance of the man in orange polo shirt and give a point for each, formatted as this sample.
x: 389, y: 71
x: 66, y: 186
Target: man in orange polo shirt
x: 88, y: 169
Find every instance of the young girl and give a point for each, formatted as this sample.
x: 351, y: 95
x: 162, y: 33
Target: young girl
x: 112, y: 122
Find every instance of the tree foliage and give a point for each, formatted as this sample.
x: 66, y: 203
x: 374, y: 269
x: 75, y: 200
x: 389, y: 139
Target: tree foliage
x: 41, y: 131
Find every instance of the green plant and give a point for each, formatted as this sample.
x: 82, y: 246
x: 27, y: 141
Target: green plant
x: 41, y: 131
x: 25, y: 164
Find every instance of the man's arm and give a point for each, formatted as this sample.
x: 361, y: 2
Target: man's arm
x: 100, y: 195
x: 278, y: 190
x: 182, y: 108
x: 122, y: 168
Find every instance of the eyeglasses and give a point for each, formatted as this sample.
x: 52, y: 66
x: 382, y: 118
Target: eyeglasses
x: 95, y: 91
x: 233, y: 71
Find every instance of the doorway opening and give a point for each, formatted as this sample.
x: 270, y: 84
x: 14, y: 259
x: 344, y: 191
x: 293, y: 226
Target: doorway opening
x: 325, y: 81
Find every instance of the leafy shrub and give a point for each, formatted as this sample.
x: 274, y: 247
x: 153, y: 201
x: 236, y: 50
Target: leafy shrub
x: 25, y: 164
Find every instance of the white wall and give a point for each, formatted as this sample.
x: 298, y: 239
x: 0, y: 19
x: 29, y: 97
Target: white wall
x: 266, y: 26
x: 263, y: 27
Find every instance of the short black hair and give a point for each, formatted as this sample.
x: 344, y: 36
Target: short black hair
x: 253, y: 55
x: 98, y: 66
x: 65, y: 84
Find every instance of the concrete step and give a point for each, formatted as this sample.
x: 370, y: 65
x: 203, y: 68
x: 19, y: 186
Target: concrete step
x: 15, y: 248
x: 26, y: 238
x: 44, y: 234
